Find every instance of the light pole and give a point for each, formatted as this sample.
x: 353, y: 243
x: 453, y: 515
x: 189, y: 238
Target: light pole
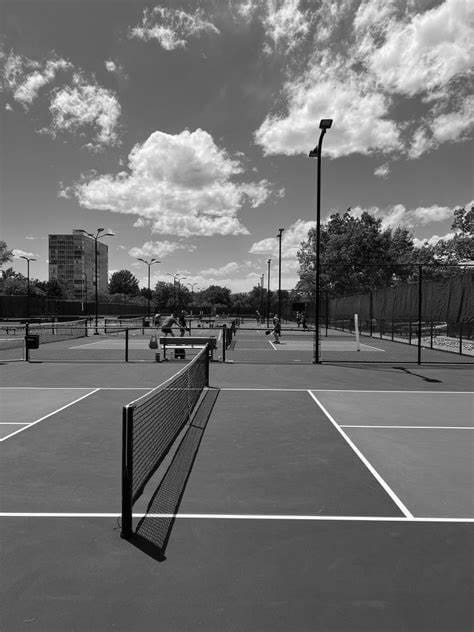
x: 324, y: 125
x: 98, y: 235
x: 268, y: 292
x: 262, y: 281
x: 280, y: 232
x: 27, y: 259
x: 191, y: 285
x: 149, y: 264
x: 176, y: 279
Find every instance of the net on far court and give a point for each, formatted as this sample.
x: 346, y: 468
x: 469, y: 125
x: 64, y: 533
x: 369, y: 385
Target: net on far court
x: 114, y: 325
x: 13, y: 336
x: 150, y: 426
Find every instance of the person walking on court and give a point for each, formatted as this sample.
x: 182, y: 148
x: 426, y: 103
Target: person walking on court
x: 298, y: 319
x: 168, y: 324
x: 157, y: 320
x: 276, y: 329
x: 182, y: 322
x: 303, y: 321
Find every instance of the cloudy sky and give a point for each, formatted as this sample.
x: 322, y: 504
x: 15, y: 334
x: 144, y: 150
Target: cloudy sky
x: 184, y: 127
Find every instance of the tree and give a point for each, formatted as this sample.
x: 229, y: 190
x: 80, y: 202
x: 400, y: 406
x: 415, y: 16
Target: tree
x: 54, y: 288
x: 123, y: 282
x: 356, y: 255
x: 5, y: 254
x: 164, y: 296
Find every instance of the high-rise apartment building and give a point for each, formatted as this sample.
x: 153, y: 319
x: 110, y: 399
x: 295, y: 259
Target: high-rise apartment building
x: 72, y: 261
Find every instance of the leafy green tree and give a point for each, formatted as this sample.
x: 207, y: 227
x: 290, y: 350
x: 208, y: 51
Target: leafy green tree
x: 164, y: 296
x: 216, y: 295
x: 356, y: 255
x: 5, y: 254
x: 123, y: 282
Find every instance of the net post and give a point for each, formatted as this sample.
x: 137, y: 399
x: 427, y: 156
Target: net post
x: 356, y: 331
x: 420, y: 310
x: 208, y: 352
x: 126, y: 345
x: 127, y: 433
x: 224, y: 341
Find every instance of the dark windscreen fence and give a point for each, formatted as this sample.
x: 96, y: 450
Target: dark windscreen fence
x: 150, y: 426
x: 429, y: 306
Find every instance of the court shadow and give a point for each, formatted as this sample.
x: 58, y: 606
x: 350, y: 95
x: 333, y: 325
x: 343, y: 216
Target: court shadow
x: 423, y: 377
x: 153, y: 531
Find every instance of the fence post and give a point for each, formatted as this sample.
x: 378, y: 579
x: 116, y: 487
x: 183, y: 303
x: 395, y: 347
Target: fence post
x: 420, y: 309
x: 224, y: 341
x: 393, y: 330
x: 126, y: 345
x: 431, y: 335
x: 371, y: 312
x: 409, y: 332
x: 27, y: 350
x: 460, y: 338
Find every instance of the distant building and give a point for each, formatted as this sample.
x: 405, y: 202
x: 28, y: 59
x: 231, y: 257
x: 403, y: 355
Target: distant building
x: 72, y: 261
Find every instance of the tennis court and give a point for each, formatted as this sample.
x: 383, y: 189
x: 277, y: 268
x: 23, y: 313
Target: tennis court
x: 294, y: 497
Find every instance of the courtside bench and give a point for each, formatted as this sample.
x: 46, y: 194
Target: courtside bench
x: 188, y: 342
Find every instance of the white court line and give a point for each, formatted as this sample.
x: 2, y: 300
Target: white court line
x: 75, y: 388
x: 411, y: 427
x: 14, y: 423
x: 339, y: 390
x: 292, y: 517
x: 49, y: 415
x: 273, y: 346
x: 369, y: 466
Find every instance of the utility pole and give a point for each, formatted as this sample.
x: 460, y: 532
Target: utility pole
x: 268, y: 293
x: 280, y: 232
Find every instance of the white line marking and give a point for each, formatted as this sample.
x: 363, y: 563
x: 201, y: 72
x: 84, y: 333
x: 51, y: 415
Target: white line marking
x: 369, y: 466
x: 75, y: 388
x: 239, y: 517
x: 340, y: 390
x: 272, y: 345
x: 412, y: 427
x: 14, y: 423
x: 49, y: 414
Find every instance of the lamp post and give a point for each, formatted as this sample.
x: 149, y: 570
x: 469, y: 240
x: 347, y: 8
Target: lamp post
x: 268, y: 292
x: 84, y: 292
x: 280, y: 232
x: 262, y: 281
x: 27, y: 259
x: 98, y: 235
x: 324, y: 125
x: 176, y: 279
x: 149, y: 264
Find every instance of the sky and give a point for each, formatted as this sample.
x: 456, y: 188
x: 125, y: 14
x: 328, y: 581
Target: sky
x: 184, y: 127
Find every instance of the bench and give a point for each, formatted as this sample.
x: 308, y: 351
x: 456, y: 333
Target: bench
x: 188, y: 342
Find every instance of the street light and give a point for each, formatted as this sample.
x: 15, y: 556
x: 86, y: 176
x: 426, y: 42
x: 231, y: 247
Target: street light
x: 27, y: 259
x: 96, y: 237
x: 176, y: 278
x: 324, y: 125
x: 268, y: 293
x: 149, y: 264
x: 280, y: 232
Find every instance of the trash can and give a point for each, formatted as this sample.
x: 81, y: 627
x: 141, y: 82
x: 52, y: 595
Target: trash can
x: 32, y: 341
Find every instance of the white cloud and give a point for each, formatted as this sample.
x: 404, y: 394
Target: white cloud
x: 86, y: 105
x: 399, y: 215
x: 171, y: 28
x: 382, y: 171
x: 110, y: 65
x: 229, y: 268
x: 25, y: 77
x: 433, y: 240
x: 30, y: 237
x: 290, y: 243
x: 177, y: 184
x: 285, y: 24
x: 18, y: 253
x: 426, y: 52
x: 8, y: 107
x: 356, y: 76
x: 159, y: 249
x: 360, y: 117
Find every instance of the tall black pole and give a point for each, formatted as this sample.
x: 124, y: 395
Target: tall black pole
x: 317, y: 342
x: 96, y: 291
x: 268, y: 292
x: 280, y: 231
x: 149, y: 266
x: 28, y: 289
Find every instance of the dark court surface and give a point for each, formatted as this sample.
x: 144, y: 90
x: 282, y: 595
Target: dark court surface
x: 280, y: 527
x: 234, y: 575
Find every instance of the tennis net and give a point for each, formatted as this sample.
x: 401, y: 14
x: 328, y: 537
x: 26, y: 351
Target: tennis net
x: 114, y: 325
x: 151, y: 424
x: 13, y: 336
